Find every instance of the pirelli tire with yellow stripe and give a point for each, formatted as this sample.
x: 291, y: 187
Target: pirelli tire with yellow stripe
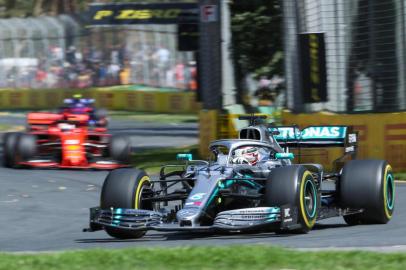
x: 125, y: 188
x: 368, y: 185
x: 294, y: 186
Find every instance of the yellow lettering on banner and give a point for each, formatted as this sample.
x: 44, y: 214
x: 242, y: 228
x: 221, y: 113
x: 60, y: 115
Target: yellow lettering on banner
x: 172, y: 13
x: 102, y: 13
x: 125, y: 14
x: 144, y: 14
x: 314, y: 65
x: 157, y: 13
x: 315, y: 95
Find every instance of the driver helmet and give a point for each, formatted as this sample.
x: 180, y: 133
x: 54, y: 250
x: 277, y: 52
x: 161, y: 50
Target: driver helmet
x: 77, y: 98
x: 246, y: 155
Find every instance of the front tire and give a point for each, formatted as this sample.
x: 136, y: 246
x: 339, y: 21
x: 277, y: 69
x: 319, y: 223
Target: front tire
x: 26, y: 146
x: 368, y: 185
x: 295, y: 186
x: 9, y: 145
x: 124, y: 188
x: 100, y: 116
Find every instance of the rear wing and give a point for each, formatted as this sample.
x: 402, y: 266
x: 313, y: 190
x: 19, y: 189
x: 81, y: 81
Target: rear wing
x: 316, y: 137
x: 52, y: 118
x: 43, y: 118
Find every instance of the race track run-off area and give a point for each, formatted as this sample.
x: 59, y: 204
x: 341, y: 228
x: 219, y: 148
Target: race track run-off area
x: 46, y: 210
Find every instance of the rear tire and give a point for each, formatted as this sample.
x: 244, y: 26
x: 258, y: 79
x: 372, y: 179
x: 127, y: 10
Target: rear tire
x: 9, y: 146
x: 368, y: 185
x: 123, y: 188
x: 294, y: 185
x: 120, y: 149
x: 100, y: 116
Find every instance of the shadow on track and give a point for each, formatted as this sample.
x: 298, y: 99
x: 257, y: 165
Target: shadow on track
x: 176, y: 236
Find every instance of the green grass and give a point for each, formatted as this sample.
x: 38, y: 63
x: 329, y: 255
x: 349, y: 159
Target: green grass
x: 6, y: 128
x: 191, y: 258
x: 154, y: 117
x: 400, y: 176
x: 151, y: 160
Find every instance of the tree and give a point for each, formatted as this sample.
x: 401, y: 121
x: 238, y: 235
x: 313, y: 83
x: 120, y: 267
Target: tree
x: 257, y: 40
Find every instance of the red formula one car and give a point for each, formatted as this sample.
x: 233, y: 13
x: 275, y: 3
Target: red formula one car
x: 65, y: 141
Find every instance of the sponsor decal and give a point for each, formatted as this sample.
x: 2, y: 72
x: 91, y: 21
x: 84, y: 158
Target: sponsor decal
x: 349, y: 149
x: 73, y: 148
x: 287, y: 133
x: 321, y: 132
x: 289, y: 216
x: 208, y: 13
x: 352, y: 138
x: 287, y: 212
x: 70, y: 142
x: 197, y: 196
x: 193, y: 203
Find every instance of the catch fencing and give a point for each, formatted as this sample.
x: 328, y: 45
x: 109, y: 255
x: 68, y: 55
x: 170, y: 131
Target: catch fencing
x: 60, y: 52
x: 365, y: 53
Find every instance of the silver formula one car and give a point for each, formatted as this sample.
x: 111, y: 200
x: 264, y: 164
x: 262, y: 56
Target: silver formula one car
x: 250, y: 184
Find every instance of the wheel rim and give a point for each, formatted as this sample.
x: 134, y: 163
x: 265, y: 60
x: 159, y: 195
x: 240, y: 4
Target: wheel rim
x: 310, y: 200
x: 390, y: 191
x: 138, y: 194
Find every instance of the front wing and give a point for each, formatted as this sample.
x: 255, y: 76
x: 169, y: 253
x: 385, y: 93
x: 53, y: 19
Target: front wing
x: 247, y: 219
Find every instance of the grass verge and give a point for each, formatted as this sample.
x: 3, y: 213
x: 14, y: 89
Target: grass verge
x: 154, y: 117
x: 9, y: 128
x: 400, y: 176
x: 230, y: 257
x: 151, y: 160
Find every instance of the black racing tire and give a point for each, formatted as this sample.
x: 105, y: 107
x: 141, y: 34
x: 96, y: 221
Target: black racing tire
x: 368, y: 185
x: 295, y: 186
x: 119, y: 149
x: 123, y: 188
x: 100, y: 116
x: 100, y: 113
x: 26, y: 146
x: 9, y: 146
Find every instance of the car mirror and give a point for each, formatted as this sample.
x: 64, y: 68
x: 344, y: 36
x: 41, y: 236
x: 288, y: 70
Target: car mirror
x: 284, y: 156
x: 187, y: 157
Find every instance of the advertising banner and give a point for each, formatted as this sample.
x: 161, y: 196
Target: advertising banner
x: 313, y: 67
x: 137, y: 13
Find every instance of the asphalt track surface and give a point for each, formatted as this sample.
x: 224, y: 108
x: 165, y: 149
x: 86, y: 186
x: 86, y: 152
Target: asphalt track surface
x: 45, y: 210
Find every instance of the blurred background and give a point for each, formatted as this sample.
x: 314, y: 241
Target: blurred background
x: 46, y: 44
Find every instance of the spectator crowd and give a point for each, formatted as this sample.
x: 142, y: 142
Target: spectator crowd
x: 92, y: 67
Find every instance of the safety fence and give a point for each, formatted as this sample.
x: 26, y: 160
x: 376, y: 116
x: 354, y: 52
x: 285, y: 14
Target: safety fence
x: 129, y: 100
x: 60, y: 52
x: 365, y: 48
